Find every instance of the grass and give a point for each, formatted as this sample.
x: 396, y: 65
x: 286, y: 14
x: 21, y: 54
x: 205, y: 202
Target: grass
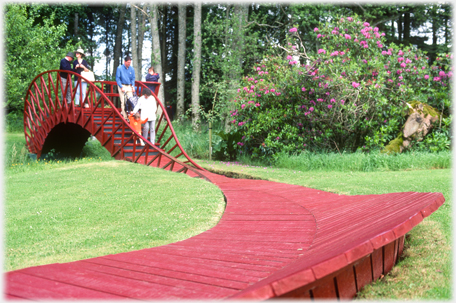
x: 49, y: 221
x: 61, y: 211
x: 425, y: 272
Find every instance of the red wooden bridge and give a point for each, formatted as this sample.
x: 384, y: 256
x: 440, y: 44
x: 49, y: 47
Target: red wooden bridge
x: 273, y: 240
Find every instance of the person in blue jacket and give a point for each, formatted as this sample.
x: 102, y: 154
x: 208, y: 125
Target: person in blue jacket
x: 125, y: 78
x: 152, y: 76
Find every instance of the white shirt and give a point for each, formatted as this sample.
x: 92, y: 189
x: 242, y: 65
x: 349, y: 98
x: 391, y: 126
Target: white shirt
x: 148, y: 108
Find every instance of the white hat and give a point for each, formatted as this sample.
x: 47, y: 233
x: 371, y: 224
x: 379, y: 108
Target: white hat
x: 81, y: 51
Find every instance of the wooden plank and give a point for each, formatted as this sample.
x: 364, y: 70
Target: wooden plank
x: 346, y: 283
x: 377, y: 263
x: 363, y: 272
x: 326, y: 290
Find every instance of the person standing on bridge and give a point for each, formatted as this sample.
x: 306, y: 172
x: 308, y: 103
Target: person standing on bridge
x: 125, y: 78
x: 65, y: 64
x: 152, y: 76
x: 148, y: 107
x: 80, y: 65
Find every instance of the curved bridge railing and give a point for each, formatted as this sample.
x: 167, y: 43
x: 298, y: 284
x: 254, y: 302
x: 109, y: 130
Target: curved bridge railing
x: 50, y: 121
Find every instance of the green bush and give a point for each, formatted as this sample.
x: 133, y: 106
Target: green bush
x: 351, y: 94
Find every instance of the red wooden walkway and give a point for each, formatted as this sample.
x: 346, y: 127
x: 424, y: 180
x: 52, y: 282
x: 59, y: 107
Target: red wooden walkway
x: 273, y: 240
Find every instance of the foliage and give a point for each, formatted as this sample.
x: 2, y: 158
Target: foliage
x: 351, y: 93
x: 226, y: 147
x: 25, y: 45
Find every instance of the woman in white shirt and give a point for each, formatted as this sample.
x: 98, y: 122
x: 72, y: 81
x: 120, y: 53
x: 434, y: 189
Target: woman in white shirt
x: 148, y: 107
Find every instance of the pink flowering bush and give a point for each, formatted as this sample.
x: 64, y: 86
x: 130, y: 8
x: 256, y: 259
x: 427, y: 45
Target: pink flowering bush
x: 351, y: 93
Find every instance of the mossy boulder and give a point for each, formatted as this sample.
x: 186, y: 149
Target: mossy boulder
x: 418, y: 124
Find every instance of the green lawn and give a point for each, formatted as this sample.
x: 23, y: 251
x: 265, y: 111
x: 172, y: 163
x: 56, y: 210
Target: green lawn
x: 63, y: 211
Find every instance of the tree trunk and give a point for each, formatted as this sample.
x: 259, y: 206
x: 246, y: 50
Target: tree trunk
x: 91, y: 61
x: 237, y: 53
x: 181, y: 60
x: 76, y: 20
x: 406, y: 31
x: 196, y: 68
x: 134, y: 50
x: 141, y: 29
x: 118, y: 45
x: 156, y: 56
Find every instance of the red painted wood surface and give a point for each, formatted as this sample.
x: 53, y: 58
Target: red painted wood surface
x: 273, y: 240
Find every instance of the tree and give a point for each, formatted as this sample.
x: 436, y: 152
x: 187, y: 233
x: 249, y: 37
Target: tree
x: 118, y: 43
x: 141, y: 30
x: 181, y: 60
x: 196, y: 74
x: 155, y: 56
x: 25, y: 58
x: 134, y: 49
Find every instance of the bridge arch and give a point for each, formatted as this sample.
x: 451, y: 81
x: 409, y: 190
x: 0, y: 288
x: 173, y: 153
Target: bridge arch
x: 53, y: 122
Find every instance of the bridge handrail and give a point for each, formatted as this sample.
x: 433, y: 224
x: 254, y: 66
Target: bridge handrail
x: 34, y: 119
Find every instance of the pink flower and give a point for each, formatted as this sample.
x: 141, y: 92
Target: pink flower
x: 294, y: 29
x: 442, y: 73
x: 355, y: 85
x: 400, y: 59
x: 321, y: 51
x: 350, y: 19
x: 316, y: 29
x: 426, y: 77
x: 342, y: 101
x: 319, y: 36
x: 400, y: 53
x: 278, y: 138
x: 366, y: 24
x: 303, y: 89
x: 243, y: 106
x: 240, y: 143
x: 436, y: 79
x: 348, y: 37
x: 289, y: 57
x: 330, y: 106
x: 258, y: 68
x: 311, y: 109
x: 403, y: 65
x: 272, y: 90
x: 333, y: 100
x: 239, y: 90
x: 257, y: 105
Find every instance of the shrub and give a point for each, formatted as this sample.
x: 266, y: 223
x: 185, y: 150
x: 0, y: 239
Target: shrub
x: 350, y: 94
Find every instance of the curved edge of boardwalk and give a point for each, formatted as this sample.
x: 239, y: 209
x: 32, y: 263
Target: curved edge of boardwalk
x: 273, y: 240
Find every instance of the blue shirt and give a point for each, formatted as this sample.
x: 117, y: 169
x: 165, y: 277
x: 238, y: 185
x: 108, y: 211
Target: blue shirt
x: 125, y: 76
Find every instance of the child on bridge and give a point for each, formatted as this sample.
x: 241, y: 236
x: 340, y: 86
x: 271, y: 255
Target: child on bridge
x: 136, y: 122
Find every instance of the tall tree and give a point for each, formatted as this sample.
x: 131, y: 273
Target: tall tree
x: 156, y: 56
x: 181, y: 59
x: 134, y: 49
x: 196, y: 74
x: 118, y: 43
x: 141, y: 30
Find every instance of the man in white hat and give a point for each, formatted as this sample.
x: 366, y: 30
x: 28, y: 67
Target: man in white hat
x: 65, y: 64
